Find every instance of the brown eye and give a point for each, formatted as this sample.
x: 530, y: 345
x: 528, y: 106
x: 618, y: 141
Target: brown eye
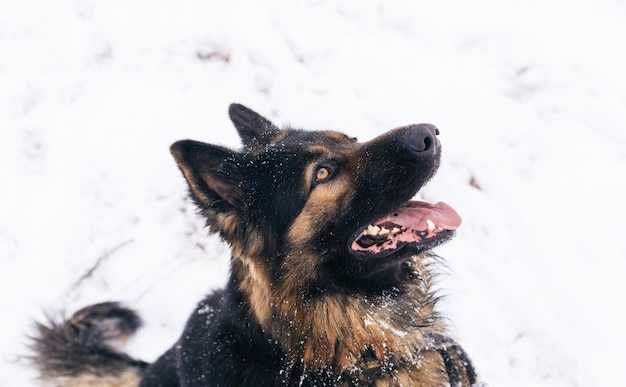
x: 322, y: 173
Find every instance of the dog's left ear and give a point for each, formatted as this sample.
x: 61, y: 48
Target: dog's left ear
x: 253, y: 128
x: 211, y: 172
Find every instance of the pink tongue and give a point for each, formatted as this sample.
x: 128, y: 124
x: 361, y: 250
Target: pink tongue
x: 414, y: 215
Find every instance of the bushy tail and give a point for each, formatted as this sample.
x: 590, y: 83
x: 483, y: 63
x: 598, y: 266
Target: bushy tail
x: 80, y: 351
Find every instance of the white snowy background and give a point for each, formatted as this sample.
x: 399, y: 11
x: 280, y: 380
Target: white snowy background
x: 530, y: 98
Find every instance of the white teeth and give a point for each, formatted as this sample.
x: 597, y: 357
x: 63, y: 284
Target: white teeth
x: 371, y: 230
x: 375, y: 230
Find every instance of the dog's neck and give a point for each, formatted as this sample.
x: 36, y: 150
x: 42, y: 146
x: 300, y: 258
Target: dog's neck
x: 344, y: 331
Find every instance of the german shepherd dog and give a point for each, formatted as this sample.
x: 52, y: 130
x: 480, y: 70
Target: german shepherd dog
x: 331, y: 275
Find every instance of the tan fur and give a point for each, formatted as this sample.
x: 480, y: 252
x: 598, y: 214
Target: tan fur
x: 324, y: 204
x: 252, y: 275
x: 254, y: 282
x: 337, y: 328
x: 227, y: 225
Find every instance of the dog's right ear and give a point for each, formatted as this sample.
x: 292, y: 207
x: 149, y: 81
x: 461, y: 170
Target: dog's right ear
x: 253, y: 128
x: 211, y: 172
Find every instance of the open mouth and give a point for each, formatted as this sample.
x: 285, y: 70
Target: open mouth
x: 418, y: 224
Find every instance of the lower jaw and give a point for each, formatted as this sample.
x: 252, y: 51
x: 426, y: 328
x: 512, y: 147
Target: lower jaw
x: 404, y: 249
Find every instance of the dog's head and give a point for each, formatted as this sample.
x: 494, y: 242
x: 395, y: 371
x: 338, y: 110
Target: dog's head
x: 318, y: 208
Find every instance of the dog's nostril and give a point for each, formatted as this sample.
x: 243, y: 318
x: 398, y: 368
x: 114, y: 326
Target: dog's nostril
x: 421, y: 138
x: 427, y: 143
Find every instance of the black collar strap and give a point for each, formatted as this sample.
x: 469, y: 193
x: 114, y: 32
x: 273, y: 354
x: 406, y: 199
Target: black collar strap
x: 452, y: 354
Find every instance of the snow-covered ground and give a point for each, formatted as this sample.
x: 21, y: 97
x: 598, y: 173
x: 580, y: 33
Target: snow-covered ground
x: 530, y: 98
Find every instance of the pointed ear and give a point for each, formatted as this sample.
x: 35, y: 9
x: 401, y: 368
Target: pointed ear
x: 211, y: 172
x: 253, y: 128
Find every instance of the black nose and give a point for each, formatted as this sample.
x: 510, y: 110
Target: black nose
x: 421, y: 139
